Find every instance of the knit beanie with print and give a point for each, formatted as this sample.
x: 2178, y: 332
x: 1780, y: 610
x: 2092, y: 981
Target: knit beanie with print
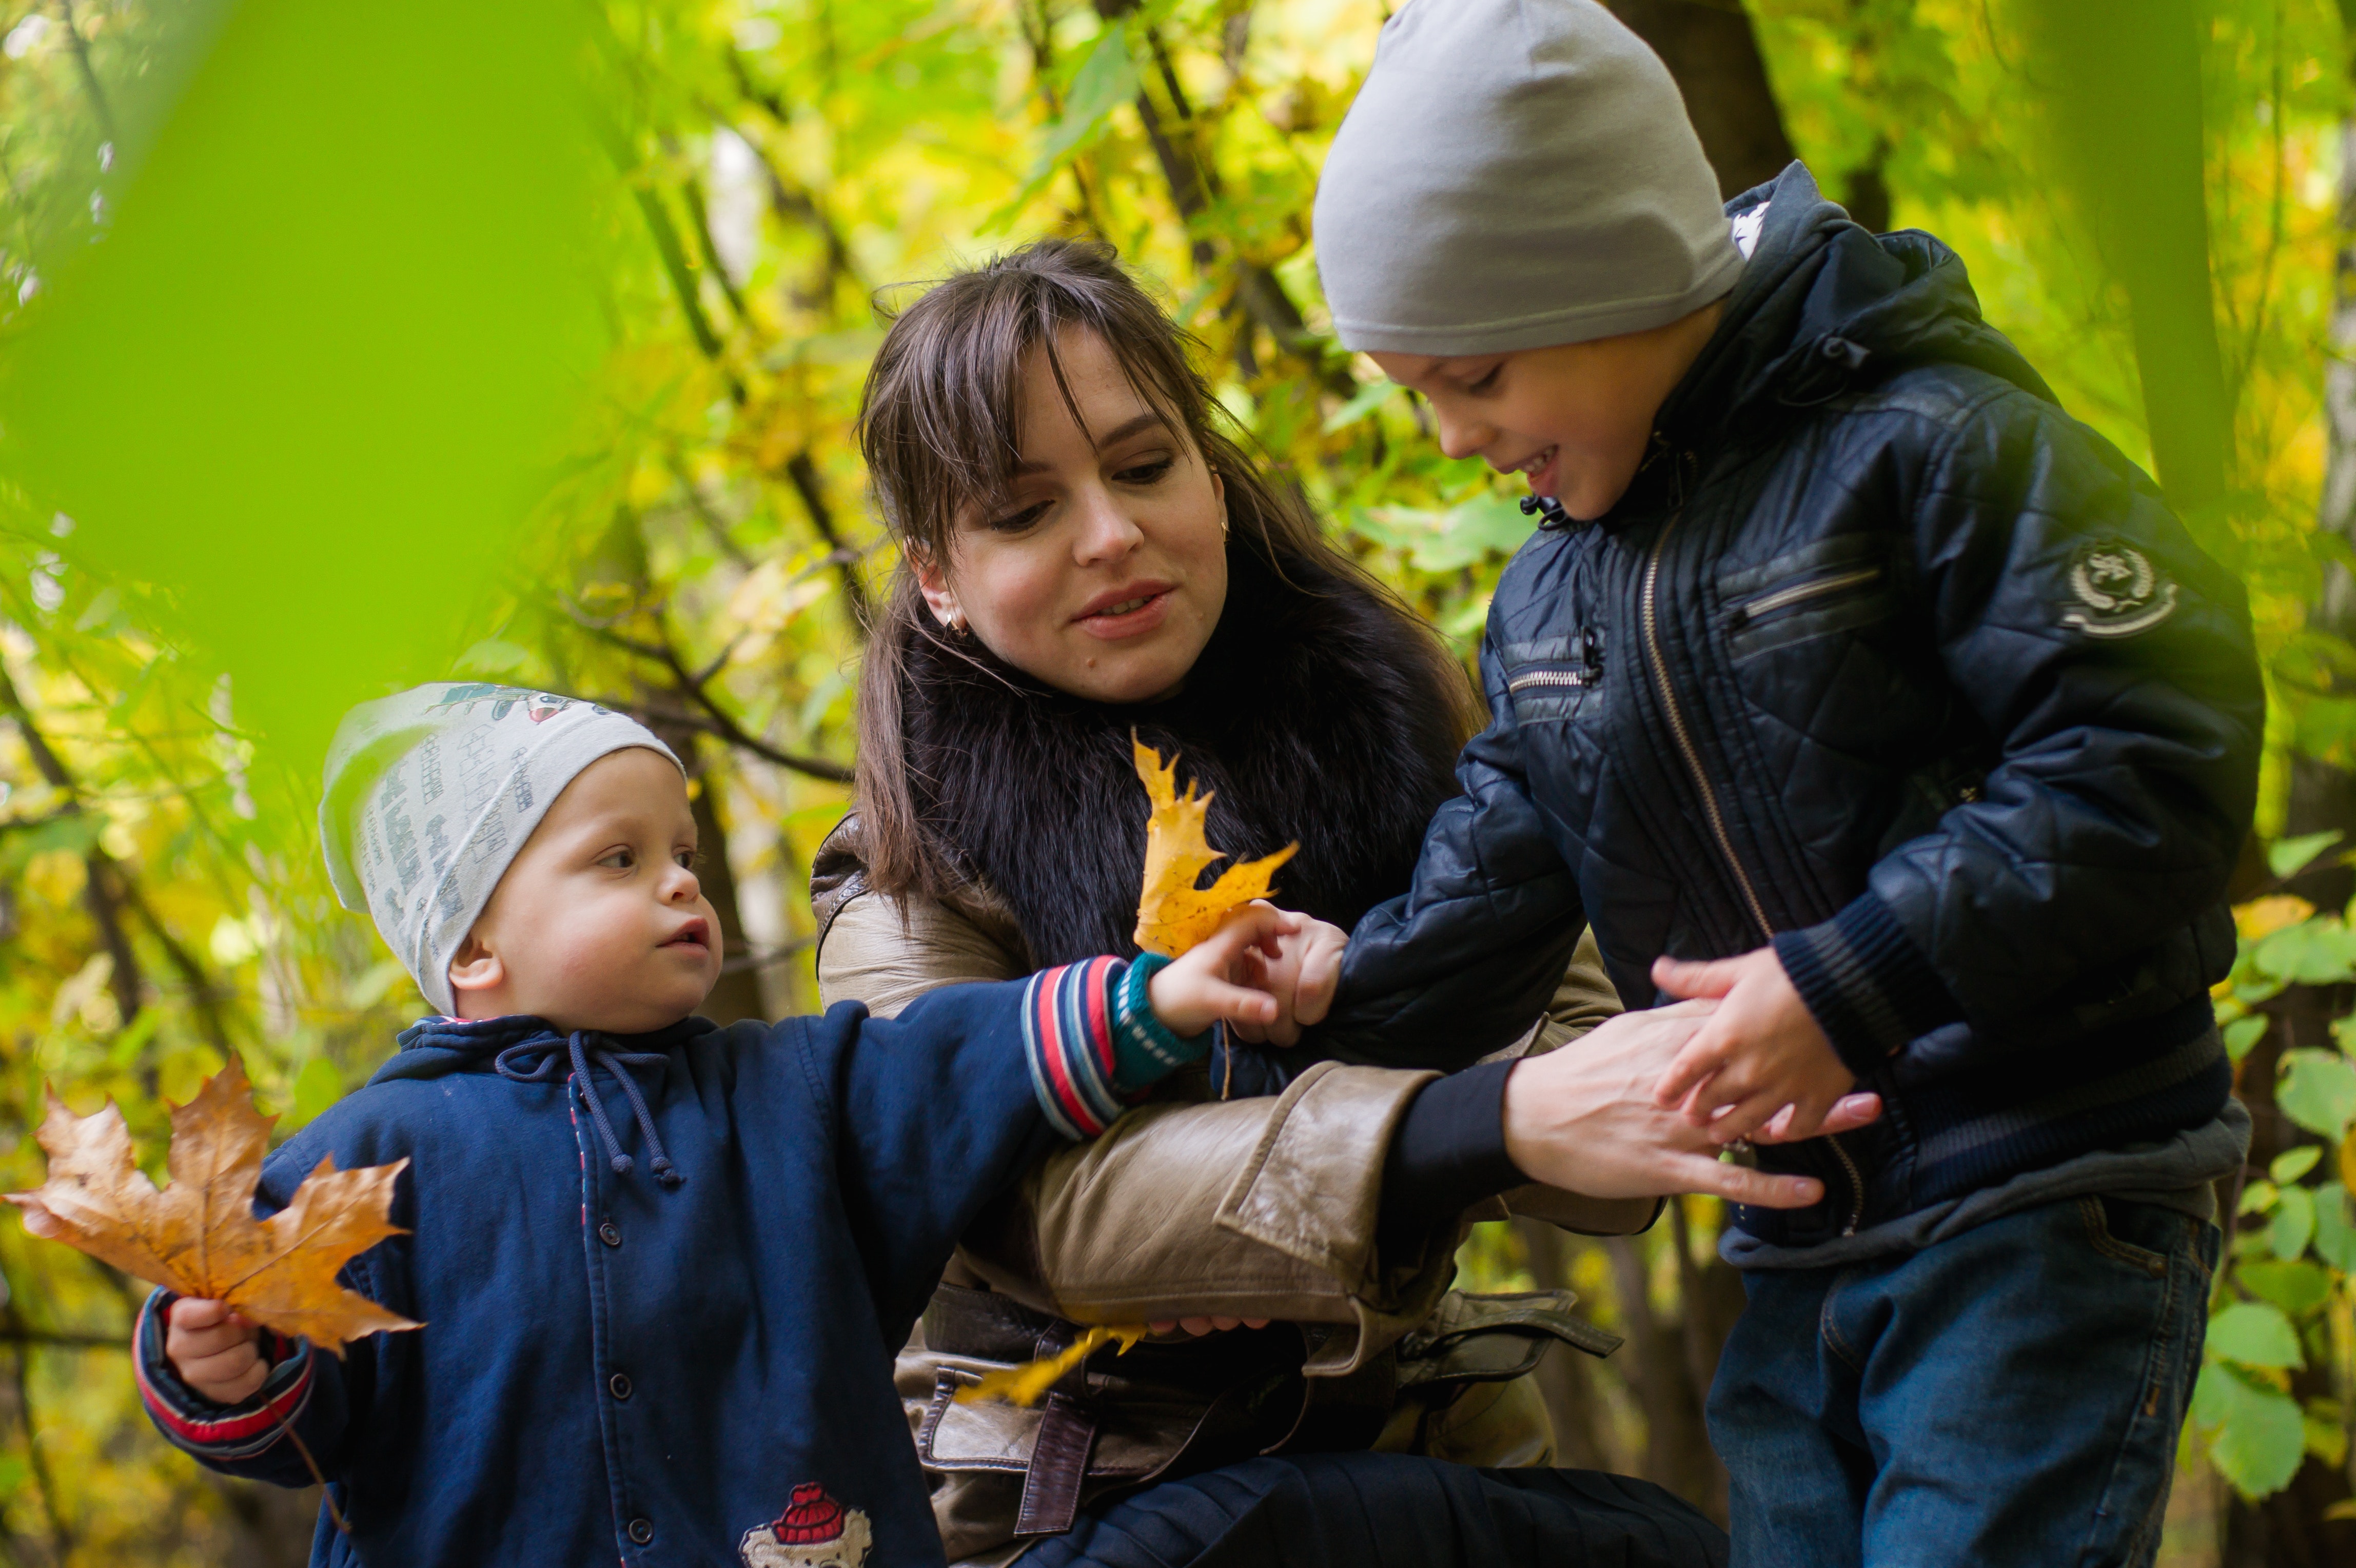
x: 1515, y: 174
x: 432, y: 792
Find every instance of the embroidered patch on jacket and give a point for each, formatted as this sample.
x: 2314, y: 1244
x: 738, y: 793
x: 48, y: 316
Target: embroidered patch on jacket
x: 815, y: 1531
x: 2116, y: 591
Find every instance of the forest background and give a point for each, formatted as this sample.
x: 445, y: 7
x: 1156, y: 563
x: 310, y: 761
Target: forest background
x: 694, y: 544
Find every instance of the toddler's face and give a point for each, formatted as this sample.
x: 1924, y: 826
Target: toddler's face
x: 599, y: 923
x: 1574, y: 418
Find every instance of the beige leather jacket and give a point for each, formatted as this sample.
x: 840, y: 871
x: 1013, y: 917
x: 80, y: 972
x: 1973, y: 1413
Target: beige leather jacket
x: 1191, y: 1206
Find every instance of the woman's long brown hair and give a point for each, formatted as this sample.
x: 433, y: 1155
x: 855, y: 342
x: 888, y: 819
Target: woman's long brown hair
x: 939, y: 426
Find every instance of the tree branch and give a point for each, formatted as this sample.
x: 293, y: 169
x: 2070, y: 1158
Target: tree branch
x: 714, y: 719
x: 98, y: 104
x: 809, y: 485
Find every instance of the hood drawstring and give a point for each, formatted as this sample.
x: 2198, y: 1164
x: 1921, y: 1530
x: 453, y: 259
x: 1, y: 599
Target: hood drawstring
x: 616, y: 1065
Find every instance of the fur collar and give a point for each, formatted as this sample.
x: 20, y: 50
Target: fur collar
x: 1309, y: 715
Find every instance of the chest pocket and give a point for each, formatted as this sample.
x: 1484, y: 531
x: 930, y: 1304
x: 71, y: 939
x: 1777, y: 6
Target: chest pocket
x: 1833, y: 585
x: 1553, y: 678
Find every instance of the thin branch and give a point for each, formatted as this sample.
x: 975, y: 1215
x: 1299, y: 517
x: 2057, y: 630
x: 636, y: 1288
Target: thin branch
x: 810, y: 487
x: 19, y: 1336
x: 60, y: 1537
x: 98, y: 104
x: 714, y: 719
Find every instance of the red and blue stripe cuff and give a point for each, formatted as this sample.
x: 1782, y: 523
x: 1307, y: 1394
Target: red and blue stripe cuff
x: 1091, y: 1039
x: 210, y: 1431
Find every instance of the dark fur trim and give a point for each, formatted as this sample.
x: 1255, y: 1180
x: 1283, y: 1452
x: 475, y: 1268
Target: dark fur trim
x: 1309, y: 715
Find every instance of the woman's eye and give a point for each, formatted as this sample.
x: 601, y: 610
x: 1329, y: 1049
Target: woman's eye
x: 1149, y: 472
x: 1015, y: 522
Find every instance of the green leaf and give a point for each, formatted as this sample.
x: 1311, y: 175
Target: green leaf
x: 2296, y: 1288
x: 2255, y: 1334
x: 2294, y: 1223
x: 2293, y: 1163
x: 2244, y: 1033
x: 2317, y: 1090
x: 2326, y: 1432
x: 2258, y: 1196
x: 2258, y: 1437
x: 2289, y: 857
x: 1368, y: 398
x: 1105, y: 80
x: 2335, y: 1229
x: 2313, y: 952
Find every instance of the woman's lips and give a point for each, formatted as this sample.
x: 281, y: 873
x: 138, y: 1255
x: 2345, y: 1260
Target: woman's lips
x: 1131, y: 616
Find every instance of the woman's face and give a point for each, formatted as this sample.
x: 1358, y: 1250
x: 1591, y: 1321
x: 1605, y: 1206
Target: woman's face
x: 1103, y: 569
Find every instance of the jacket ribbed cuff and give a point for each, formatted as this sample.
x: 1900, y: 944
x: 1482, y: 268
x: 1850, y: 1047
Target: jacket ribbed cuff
x: 210, y: 1431
x: 1145, y: 1051
x: 1868, y: 984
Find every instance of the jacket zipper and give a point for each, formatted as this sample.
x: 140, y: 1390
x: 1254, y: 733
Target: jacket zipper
x: 1550, y: 678
x: 1650, y: 621
x: 1801, y: 592
x: 1855, y: 1184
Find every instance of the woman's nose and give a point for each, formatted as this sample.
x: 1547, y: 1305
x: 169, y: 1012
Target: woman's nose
x: 1106, y: 532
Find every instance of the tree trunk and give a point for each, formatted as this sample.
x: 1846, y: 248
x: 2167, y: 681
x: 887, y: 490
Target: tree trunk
x: 1710, y: 48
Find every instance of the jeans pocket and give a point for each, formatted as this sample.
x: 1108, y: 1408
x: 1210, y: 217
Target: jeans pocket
x: 2123, y: 1230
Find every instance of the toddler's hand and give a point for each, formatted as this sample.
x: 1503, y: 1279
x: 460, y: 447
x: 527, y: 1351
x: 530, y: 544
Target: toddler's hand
x: 214, y: 1350
x: 1222, y: 977
x: 1302, y: 977
x: 1760, y: 1064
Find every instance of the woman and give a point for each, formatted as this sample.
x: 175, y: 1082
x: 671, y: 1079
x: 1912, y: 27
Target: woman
x: 1086, y: 556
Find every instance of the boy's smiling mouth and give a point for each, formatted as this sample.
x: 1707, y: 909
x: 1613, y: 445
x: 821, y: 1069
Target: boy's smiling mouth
x: 1537, y: 467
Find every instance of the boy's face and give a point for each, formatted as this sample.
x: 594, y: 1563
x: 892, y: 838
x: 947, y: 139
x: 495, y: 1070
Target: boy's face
x: 599, y: 923
x: 1574, y: 418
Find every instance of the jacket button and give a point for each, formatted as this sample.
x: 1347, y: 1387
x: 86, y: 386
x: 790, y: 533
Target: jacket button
x: 610, y: 1233
x: 620, y: 1383
x: 642, y: 1530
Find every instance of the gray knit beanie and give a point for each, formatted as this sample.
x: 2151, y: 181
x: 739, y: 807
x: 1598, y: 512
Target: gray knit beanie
x: 1514, y: 174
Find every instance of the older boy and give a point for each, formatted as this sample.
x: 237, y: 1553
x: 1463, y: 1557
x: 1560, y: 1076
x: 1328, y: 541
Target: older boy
x: 1850, y: 664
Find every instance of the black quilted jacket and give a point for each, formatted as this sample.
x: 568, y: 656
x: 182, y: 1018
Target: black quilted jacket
x: 1885, y: 660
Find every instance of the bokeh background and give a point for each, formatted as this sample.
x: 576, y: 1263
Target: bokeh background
x: 346, y: 346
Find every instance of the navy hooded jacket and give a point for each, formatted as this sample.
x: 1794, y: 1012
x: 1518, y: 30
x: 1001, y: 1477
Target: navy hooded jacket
x: 688, y: 1361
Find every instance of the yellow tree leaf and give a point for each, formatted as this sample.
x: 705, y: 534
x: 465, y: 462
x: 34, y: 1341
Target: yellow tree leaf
x: 1027, y: 1384
x: 1173, y: 913
x: 198, y: 1235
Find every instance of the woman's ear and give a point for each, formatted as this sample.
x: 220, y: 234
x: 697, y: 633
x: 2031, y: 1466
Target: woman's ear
x: 1219, y: 494
x: 933, y: 584
x: 475, y: 967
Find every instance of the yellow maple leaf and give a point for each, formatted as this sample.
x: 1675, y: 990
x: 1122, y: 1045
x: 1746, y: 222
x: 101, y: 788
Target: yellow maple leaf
x: 198, y: 1235
x: 1027, y: 1384
x: 2262, y: 917
x: 1173, y: 913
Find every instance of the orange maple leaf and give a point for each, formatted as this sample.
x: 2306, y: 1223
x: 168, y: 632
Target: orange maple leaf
x: 1173, y: 913
x: 198, y: 1235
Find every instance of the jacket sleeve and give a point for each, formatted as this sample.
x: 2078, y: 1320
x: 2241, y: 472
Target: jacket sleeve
x: 1461, y: 963
x: 2111, y: 662
x: 888, y: 952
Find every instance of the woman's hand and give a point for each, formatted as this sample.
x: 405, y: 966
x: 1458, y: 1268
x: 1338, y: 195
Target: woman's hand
x: 1583, y: 1118
x: 214, y: 1350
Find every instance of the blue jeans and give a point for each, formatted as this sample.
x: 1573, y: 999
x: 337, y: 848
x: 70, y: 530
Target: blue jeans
x: 2011, y: 1394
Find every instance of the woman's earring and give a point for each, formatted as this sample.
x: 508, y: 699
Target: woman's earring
x: 956, y: 623
x: 1222, y: 522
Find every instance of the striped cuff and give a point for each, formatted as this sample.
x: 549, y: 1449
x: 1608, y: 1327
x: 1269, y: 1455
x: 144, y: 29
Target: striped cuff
x: 210, y: 1431
x: 1091, y: 1036
x: 1870, y: 988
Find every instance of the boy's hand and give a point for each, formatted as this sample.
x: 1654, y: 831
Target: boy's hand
x: 214, y: 1350
x: 1584, y: 1119
x: 1302, y: 978
x: 1221, y: 977
x: 1761, y: 1064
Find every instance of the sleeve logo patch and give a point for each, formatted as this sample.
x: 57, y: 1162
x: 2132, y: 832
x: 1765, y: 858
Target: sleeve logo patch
x: 815, y: 1531
x: 2116, y: 591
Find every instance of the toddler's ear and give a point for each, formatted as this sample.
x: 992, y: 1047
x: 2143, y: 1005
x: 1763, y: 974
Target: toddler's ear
x: 475, y: 967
